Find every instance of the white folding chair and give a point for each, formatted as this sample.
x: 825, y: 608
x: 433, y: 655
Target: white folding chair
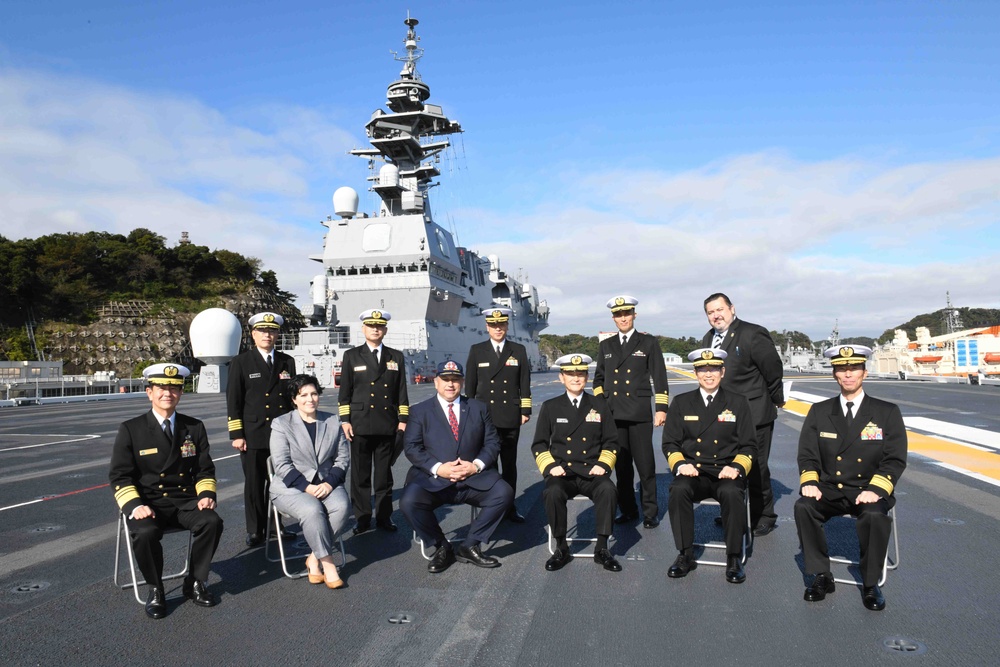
x: 274, y: 522
x: 473, y: 513
x: 572, y: 532
x: 891, y: 555
x: 747, y: 535
x: 135, y: 583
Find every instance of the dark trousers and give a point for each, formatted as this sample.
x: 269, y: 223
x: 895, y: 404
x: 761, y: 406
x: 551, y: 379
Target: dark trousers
x: 600, y: 489
x: 759, y: 478
x: 418, y: 505
x: 874, y: 526
x: 368, y: 451
x: 145, y: 534
x: 635, y: 443
x: 508, y: 454
x: 686, y: 491
x: 255, y: 488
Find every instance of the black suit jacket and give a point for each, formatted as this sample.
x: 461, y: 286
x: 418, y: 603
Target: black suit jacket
x: 753, y: 368
x: 623, y: 376
x: 575, y: 438
x: 372, y: 398
x: 146, y: 469
x: 842, y: 461
x: 256, y: 396
x: 428, y: 440
x: 503, y: 384
x: 710, y: 437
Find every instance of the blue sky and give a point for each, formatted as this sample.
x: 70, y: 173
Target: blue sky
x: 817, y: 161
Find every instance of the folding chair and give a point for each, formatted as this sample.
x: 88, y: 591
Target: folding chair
x: 891, y: 562
x: 123, y: 531
x: 574, y: 530
x: 747, y: 535
x: 274, y: 522
x: 473, y: 513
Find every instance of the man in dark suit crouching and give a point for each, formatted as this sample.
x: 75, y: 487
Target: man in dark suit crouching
x: 453, y: 446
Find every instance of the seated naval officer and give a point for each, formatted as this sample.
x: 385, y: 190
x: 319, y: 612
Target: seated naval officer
x: 710, y: 442
x: 852, y: 452
x: 453, y: 446
x: 498, y: 374
x: 163, y: 477
x: 575, y: 448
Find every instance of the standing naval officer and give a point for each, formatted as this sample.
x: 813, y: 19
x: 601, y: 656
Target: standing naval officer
x: 852, y: 452
x: 453, y: 447
x: 373, y: 407
x: 575, y: 448
x: 626, y: 363
x: 709, y: 442
x: 498, y: 374
x: 753, y: 368
x: 163, y: 477
x: 255, y: 395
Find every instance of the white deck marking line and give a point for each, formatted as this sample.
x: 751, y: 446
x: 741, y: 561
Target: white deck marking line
x: 968, y: 473
x: 46, y: 444
x: 978, y: 436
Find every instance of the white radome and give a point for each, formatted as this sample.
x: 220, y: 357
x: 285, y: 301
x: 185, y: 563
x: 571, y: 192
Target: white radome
x: 215, y: 335
x: 345, y: 202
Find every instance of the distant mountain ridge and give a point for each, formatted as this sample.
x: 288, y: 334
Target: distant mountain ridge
x: 935, y: 322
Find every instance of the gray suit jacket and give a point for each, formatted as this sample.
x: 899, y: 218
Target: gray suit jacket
x: 297, y: 462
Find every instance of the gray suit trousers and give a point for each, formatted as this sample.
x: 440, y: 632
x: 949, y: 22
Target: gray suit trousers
x: 321, y: 520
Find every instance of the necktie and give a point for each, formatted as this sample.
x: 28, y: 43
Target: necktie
x: 375, y: 354
x: 624, y: 340
x: 576, y: 403
x: 498, y: 351
x: 708, y: 401
x: 453, y: 420
x: 717, y: 341
x: 167, y: 431
x: 270, y: 364
x: 850, y: 412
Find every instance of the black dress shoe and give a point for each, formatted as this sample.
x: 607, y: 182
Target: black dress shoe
x: 682, y: 565
x: 604, y: 558
x: 734, y: 570
x: 361, y: 527
x: 822, y: 584
x: 764, y: 529
x: 475, y: 556
x: 873, y: 598
x: 387, y: 526
x: 196, y: 591
x: 626, y: 518
x: 254, y: 540
x: 156, y: 603
x: 442, y: 559
x: 514, y: 516
x: 559, y: 560
x: 650, y: 523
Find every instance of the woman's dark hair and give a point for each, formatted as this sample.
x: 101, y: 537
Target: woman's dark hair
x: 296, y: 383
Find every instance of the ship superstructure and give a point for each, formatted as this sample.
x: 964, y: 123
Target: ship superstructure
x: 399, y: 259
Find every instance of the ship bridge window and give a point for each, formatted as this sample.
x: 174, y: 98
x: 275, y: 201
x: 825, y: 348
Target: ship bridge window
x: 376, y: 269
x: 390, y: 269
x: 352, y: 271
x: 340, y: 272
x: 364, y: 271
x: 443, y: 244
x: 412, y: 268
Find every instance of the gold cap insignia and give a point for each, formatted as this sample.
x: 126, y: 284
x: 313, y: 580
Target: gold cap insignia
x: 376, y: 314
x: 847, y: 351
x: 497, y: 313
x: 577, y: 359
x: 707, y: 354
x: 619, y: 301
x: 170, y: 371
x: 269, y: 317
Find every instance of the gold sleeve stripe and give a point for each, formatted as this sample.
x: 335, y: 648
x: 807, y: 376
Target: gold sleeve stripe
x: 525, y: 402
x: 674, y: 459
x: 743, y: 461
x: 125, y: 495
x: 207, y: 484
x: 608, y: 458
x: 344, y: 410
x: 882, y: 483
x: 598, y: 391
x: 404, y: 410
x: 235, y: 424
x: 663, y: 397
x: 543, y: 461
x: 808, y: 476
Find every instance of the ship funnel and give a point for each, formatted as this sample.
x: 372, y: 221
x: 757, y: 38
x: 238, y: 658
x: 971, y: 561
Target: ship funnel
x: 345, y: 202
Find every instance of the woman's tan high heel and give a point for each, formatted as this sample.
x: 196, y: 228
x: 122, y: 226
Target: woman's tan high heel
x: 313, y: 562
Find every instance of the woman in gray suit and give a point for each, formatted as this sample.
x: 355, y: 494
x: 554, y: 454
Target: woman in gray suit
x: 311, y: 456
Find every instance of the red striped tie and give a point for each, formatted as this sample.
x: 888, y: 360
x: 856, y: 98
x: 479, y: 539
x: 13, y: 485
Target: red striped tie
x: 453, y: 420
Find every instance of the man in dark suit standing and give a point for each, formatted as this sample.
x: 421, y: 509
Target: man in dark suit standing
x: 626, y: 362
x: 163, y: 477
x: 852, y: 452
x: 753, y: 369
x: 373, y: 407
x: 453, y: 447
x: 709, y: 442
x: 254, y: 396
x: 575, y: 448
x: 499, y: 375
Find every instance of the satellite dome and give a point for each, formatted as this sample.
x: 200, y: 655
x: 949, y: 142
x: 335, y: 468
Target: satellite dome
x: 345, y: 202
x: 388, y: 175
x: 215, y: 335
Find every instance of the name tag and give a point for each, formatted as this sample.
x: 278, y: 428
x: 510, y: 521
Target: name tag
x: 607, y: 356
x: 147, y: 452
x: 825, y: 434
x: 690, y: 418
x: 562, y: 420
x: 391, y: 366
x: 511, y: 361
x: 358, y: 369
x: 727, y: 416
x: 871, y: 432
x: 254, y: 375
x: 638, y: 353
x: 484, y: 364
